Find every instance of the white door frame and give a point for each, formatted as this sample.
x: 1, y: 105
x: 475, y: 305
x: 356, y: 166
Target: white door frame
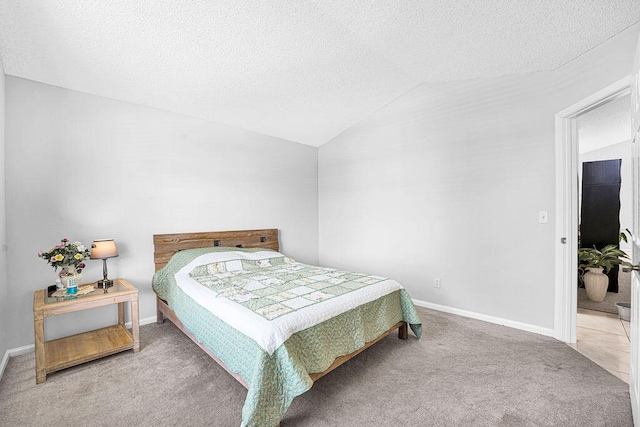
x: 566, y: 258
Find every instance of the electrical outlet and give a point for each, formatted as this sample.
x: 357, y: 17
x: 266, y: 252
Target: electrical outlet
x: 436, y: 283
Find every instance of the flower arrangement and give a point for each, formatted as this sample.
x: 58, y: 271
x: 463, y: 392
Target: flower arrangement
x: 66, y: 254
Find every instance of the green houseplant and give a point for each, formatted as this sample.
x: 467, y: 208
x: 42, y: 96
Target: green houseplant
x: 592, y: 262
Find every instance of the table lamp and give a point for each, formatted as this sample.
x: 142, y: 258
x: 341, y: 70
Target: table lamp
x: 103, y: 249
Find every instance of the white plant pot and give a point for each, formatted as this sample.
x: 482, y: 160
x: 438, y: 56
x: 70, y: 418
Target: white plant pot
x: 596, y: 284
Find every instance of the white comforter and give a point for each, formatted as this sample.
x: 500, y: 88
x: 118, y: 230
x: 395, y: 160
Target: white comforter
x: 270, y: 334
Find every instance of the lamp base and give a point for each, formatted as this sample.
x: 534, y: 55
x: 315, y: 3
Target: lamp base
x: 105, y: 283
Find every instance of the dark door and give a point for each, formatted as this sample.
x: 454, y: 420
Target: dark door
x: 600, y: 213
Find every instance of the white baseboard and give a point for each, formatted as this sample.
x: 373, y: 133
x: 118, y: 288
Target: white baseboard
x: 486, y: 318
x: 12, y: 352
x: 145, y: 321
x: 3, y: 364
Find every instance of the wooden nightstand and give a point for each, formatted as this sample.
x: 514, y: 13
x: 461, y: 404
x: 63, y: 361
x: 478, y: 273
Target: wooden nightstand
x: 73, y: 350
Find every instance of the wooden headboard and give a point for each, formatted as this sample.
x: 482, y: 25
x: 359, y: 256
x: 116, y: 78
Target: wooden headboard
x: 165, y: 245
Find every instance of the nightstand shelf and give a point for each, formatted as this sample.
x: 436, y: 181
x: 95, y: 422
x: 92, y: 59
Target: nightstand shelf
x: 61, y: 353
x: 70, y: 351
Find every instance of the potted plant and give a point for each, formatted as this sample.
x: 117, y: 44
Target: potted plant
x: 592, y: 262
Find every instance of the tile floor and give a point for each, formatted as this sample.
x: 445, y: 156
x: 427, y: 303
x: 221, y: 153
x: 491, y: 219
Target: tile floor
x: 604, y: 338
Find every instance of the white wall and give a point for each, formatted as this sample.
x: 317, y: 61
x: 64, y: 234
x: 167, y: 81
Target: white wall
x: 86, y: 167
x: 4, y: 319
x: 621, y: 150
x: 447, y: 182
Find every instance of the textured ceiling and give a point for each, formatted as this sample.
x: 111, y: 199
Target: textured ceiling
x: 298, y: 70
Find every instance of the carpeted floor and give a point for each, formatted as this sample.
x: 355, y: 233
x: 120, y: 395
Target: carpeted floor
x: 610, y: 300
x: 463, y: 372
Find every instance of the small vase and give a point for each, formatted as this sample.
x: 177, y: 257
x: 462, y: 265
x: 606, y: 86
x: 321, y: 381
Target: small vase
x: 596, y: 284
x: 72, y: 272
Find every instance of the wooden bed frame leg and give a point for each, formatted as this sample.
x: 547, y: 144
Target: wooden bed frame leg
x: 403, y: 331
x: 160, y: 316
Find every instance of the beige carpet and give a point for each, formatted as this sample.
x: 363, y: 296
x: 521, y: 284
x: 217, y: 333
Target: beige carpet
x: 463, y: 372
x: 610, y: 300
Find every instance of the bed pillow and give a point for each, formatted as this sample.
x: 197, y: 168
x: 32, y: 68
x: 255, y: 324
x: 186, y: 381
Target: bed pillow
x: 222, y: 267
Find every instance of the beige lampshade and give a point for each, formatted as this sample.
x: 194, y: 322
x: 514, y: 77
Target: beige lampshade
x: 103, y: 249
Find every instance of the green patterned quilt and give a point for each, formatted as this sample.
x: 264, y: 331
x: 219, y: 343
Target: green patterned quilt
x: 277, y: 287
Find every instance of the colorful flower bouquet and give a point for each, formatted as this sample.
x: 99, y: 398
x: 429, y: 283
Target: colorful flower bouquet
x: 66, y: 255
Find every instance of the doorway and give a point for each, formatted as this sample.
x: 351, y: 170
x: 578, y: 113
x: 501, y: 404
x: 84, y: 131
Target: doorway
x: 605, y: 177
x: 605, y: 192
x: 567, y: 164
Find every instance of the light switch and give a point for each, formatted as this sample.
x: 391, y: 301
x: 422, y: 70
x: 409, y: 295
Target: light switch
x: 543, y: 217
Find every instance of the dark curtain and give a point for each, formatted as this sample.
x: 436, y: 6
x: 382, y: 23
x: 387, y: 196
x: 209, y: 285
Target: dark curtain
x: 600, y: 213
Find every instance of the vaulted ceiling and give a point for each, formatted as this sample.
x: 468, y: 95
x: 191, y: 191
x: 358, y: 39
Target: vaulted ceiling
x: 299, y: 70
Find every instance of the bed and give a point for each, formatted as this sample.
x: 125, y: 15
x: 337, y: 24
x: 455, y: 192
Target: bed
x: 274, y: 324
